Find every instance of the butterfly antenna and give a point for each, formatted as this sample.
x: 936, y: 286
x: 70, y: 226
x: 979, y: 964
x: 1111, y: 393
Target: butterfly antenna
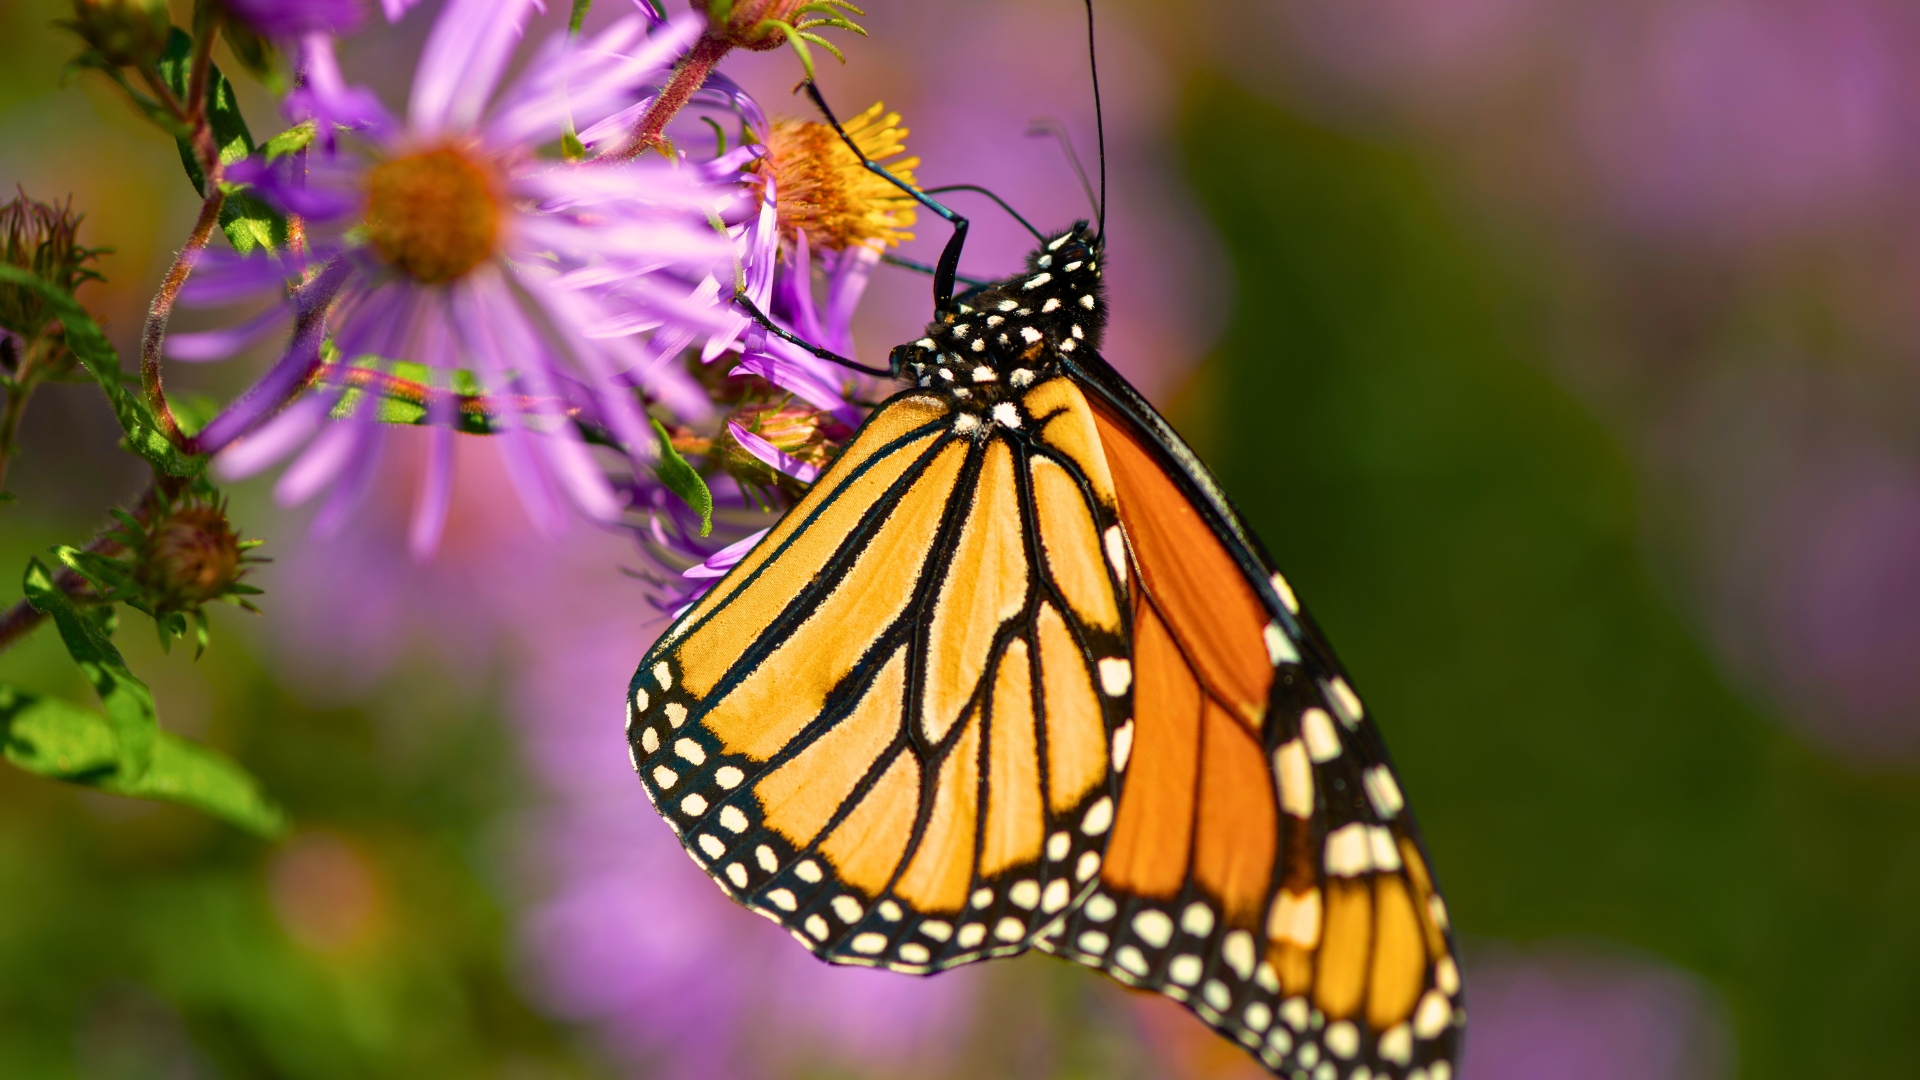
x: 949, y: 266
x: 1011, y: 212
x: 1099, y: 122
x: 1047, y: 125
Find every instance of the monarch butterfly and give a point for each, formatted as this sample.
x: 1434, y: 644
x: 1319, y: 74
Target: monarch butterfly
x: 1015, y: 675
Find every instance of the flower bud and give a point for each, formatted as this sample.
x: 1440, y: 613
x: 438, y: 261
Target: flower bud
x: 778, y: 445
x: 40, y: 238
x: 189, y: 557
x: 122, y: 32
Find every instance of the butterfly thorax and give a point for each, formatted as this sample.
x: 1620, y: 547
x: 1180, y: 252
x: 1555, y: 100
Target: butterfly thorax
x: 998, y: 340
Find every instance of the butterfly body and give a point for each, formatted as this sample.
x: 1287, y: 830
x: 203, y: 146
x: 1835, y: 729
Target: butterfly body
x: 1013, y: 675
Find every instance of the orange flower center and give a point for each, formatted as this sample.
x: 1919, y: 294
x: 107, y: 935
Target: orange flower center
x: 432, y: 215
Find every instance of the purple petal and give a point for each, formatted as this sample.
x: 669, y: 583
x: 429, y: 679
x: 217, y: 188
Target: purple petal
x: 844, y: 289
x: 585, y: 81
x: 219, y: 344
x: 482, y: 346
x: 796, y: 288
x: 221, y: 277
x: 780, y: 460
x: 466, y: 52
x: 395, y: 10
x: 356, y: 479
x: 276, y: 438
x: 725, y: 559
x: 436, y: 494
x: 321, y: 462
x: 323, y: 96
x: 791, y: 372
x: 287, y: 375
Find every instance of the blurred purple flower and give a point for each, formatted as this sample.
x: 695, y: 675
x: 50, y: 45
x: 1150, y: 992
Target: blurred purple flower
x: 1736, y: 118
x: 454, y: 248
x: 1582, y: 1015
x: 286, y: 20
x: 638, y: 943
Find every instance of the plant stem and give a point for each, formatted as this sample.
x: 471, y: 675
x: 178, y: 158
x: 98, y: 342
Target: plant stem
x: 17, y: 396
x: 688, y: 75
x: 154, y: 334
x: 23, y: 618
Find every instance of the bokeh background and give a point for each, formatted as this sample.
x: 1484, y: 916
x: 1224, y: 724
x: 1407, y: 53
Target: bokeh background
x: 1564, y: 352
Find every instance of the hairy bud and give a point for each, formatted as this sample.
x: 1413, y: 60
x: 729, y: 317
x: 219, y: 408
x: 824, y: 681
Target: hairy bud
x: 122, y: 32
x: 189, y: 557
x: 41, y: 238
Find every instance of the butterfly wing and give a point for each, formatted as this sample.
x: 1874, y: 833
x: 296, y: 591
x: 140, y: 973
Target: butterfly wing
x: 1263, y: 869
x: 888, y: 727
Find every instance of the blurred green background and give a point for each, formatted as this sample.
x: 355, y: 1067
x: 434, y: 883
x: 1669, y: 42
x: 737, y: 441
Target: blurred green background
x: 1554, y: 429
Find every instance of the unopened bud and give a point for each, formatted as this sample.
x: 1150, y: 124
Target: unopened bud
x: 40, y: 238
x: 122, y: 32
x: 192, y: 556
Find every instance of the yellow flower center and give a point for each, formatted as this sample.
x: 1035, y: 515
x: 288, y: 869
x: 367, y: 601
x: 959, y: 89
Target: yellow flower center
x: 432, y: 215
x: 823, y: 190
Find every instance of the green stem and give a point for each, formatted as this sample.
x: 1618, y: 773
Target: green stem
x: 23, y: 618
x: 17, y: 396
x: 154, y: 334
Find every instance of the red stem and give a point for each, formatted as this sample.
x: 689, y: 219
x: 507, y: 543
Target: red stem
x: 688, y: 75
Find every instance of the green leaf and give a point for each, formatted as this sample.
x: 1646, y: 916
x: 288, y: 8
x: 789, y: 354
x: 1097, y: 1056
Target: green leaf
x: 53, y: 738
x: 248, y: 222
x: 128, y: 702
x: 229, y: 128
x: 201, y: 777
x: 291, y: 141
x: 61, y: 741
x: 682, y: 479
x: 107, y: 576
x: 83, y: 336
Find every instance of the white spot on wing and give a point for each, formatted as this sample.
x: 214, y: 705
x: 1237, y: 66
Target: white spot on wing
x: 1386, y: 856
x: 694, y: 805
x: 1238, y: 951
x: 971, y: 934
x: 1154, y: 927
x: 676, y: 713
x: 1317, y: 728
x: 1197, y: 919
x: 649, y: 740
x: 1093, y: 941
x: 1382, y: 791
x: 1433, y: 1015
x: 1185, y: 970
x: 712, y: 846
x: 1295, y: 917
x: 847, y: 908
x: 915, y: 953
x: 1006, y: 414
x: 1117, y: 552
x: 1131, y: 959
x: 1122, y: 746
x: 640, y: 699
x: 764, y: 856
x: 1345, y: 701
x: 1055, y: 897
x: 737, y: 874
x: 663, y: 675
x: 816, y: 926
x: 665, y: 777
x: 937, y: 929
x: 1286, y: 593
x: 732, y: 820
x: 1280, y: 648
x: 808, y: 871
x: 1058, y: 845
x: 783, y: 899
x: 1084, y: 869
x: 1100, y: 907
x: 1349, y: 852
x: 1296, y: 778
x: 1342, y: 1038
x: 728, y: 777
x: 690, y: 750
x: 1009, y: 929
x: 1024, y: 894
x: 1116, y: 675
x: 870, y: 943
x: 1099, y: 817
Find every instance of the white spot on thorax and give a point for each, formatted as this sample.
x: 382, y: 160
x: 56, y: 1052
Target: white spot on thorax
x: 1009, y: 305
x: 979, y: 345
x: 1054, y: 244
x: 983, y: 373
x: 1029, y: 335
x: 962, y: 331
x: 995, y: 320
x: 1021, y: 378
x: 1052, y: 304
x: 1044, y: 261
x: 1037, y: 280
x: 1087, y: 301
x: 966, y: 422
x: 925, y: 343
x: 1077, y: 333
x: 1066, y: 346
x: 1006, y: 414
x: 1072, y: 266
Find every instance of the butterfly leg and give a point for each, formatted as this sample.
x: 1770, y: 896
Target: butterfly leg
x: 948, y: 269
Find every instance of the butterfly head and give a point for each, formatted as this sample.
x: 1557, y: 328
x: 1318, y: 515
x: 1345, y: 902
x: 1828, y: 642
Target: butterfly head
x: 1001, y: 338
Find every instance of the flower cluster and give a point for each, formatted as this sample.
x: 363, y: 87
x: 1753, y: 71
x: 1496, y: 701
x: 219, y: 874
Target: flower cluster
x: 455, y: 272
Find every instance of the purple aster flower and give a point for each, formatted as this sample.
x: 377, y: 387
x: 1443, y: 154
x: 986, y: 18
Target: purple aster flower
x: 454, y: 269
